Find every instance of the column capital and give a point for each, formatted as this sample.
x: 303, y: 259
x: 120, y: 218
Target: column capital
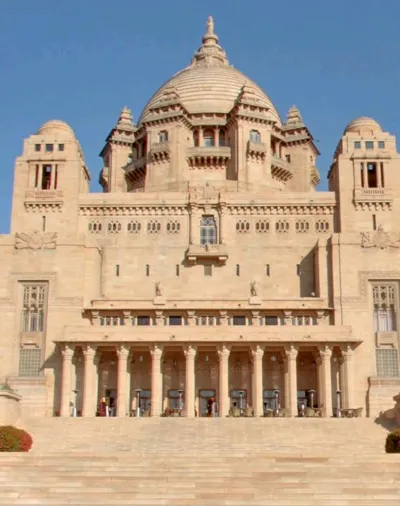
x: 67, y: 351
x: 89, y: 350
x: 325, y: 351
x: 190, y: 351
x: 291, y: 351
x: 347, y: 351
x: 223, y: 352
x: 123, y: 351
x: 156, y: 351
x: 257, y: 352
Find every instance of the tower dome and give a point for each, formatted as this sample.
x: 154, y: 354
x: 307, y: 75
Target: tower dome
x: 56, y: 126
x: 209, y: 84
x: 363, y: 124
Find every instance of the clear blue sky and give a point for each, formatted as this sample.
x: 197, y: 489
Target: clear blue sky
x: 83, y: 60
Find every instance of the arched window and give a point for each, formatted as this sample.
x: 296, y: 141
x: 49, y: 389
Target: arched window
x: 208, y: 138
x: 208, y: 230
x: 163, y: 136
x: 255, y: 136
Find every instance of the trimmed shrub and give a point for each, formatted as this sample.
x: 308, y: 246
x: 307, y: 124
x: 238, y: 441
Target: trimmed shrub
x: 393, y: 442
x: 14, y: 440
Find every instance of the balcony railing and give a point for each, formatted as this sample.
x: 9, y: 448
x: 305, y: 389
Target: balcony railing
x: 44, y: 194
x: 218, y: 252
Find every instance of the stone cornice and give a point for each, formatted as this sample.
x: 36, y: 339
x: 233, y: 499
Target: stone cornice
x: 173, y: 304
x: 204, y: 335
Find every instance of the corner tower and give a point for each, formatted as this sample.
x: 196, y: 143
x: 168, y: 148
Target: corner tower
x: 365, y: 175
x: 49, y: 176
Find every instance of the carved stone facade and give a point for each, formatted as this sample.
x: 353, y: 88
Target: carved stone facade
x: 209, y: 267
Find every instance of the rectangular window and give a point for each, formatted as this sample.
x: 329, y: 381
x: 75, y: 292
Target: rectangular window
x: 147, y: 270
x: 271, y: 320
x: 381, y: 144
x: 55, y: 177
x: 117, y: 270
x: 34, y: 302
x: 239, y: 320
x: 208, y: 270
x: 369, y: 145
x: 177, y: 270
x: 143, y: 320
x: 37, y: 147
x: 357, y: 145
x: 49, y: 148
x: 237, y: 270
x: 267, y: 270
x: 175, y: 320
x: 374, y: 222
x: 288, y: 159
x: 61, y: 147
x: 44, y: 223
x: 46, y: 177
x: 384, y: 300
x: 387, y: 363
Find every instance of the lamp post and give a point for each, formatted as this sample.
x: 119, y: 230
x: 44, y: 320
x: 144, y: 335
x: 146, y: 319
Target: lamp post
x: 241, y: 395
x: 74, y: 409
x: 138, y: 392
x: 276, y: 393
x: 312, y: 394
x: 339, y: 403
x: 180, y: 391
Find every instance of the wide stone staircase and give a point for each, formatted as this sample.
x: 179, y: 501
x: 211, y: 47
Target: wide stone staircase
x: 176, y: 461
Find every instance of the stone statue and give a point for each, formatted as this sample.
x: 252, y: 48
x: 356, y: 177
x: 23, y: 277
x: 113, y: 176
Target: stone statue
x: 159, y: 289
x: 254, y: 289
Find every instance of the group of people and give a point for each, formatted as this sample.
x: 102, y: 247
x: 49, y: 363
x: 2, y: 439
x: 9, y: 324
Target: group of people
x: 212, y: 407
x: 107, y: 406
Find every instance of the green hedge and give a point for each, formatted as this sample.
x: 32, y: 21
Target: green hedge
x: 14, y: 440
x: 393, y: 442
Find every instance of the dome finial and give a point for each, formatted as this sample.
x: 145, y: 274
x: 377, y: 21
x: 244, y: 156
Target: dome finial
x: 210, y: 37
x: 210, y: 25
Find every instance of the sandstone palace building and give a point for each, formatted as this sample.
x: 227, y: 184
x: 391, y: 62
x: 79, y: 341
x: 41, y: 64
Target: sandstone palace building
x: 210, y: 266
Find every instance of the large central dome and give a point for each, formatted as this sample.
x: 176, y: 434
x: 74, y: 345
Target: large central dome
x: 209, y: 84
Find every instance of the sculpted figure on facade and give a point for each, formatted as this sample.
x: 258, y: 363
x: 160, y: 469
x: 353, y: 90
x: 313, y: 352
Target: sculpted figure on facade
x: 254, y: 289
x: 159, y: 289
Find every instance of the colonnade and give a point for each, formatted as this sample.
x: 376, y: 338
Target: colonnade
x: 344, y: 353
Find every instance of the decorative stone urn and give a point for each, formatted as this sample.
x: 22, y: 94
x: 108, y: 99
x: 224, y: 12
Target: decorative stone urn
x: 10, y: 411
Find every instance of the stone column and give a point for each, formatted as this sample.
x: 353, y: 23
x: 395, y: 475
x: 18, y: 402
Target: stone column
x: 89, y: 369
x: 190, y: 383
x: 223, y: 354
x: 156, y: 352
x: 342, y: 382
x: 122, y: 394
x: 291, y: 354
x: 67, y: 352
x: 326, y: 379
x: 378, y: 174
x: 348, y: 376
x: 257, y: 383
x: 216, y: 136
